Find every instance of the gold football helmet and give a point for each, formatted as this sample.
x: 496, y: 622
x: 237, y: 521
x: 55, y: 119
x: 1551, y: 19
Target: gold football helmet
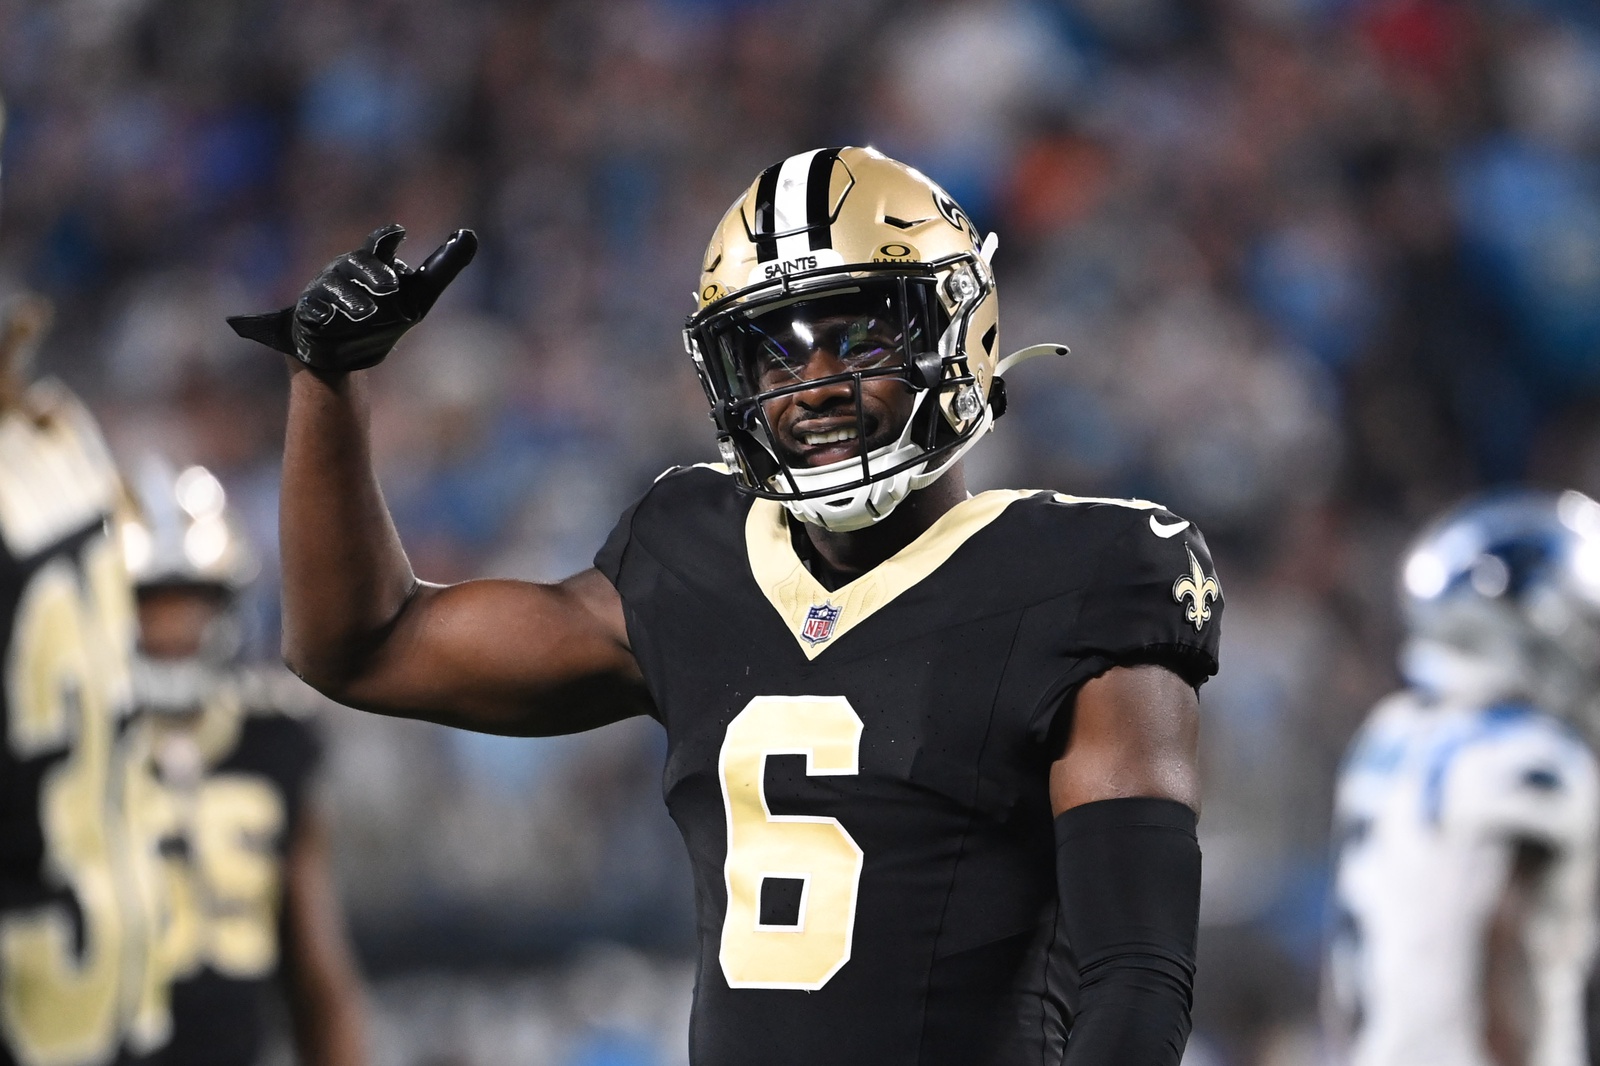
x: 900, y: 282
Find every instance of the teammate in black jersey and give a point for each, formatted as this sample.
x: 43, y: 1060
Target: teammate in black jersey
x: 76, y: 985
x: 79, y: 984
x: 933, y: 755
x: 242, y: 845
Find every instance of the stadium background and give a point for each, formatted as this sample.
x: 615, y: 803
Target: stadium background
x: 1325, y: 266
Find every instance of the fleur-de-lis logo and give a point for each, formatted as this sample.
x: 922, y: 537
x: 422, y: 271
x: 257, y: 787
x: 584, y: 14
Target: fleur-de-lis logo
x: 1198, y: 589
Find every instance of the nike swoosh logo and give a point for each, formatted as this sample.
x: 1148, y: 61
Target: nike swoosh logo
x: 1162, y: 530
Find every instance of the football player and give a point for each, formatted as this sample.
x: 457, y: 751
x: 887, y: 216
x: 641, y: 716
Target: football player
x: 933, y: 754
x: 243, y: 845
x: 76, y: 985
x: 1467, y: 817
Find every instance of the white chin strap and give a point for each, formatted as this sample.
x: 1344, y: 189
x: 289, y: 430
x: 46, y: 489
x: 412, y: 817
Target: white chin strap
x: 857, y: 506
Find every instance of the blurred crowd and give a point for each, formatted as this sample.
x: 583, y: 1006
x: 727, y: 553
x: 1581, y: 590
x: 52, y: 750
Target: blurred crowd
x: 1324, y: 265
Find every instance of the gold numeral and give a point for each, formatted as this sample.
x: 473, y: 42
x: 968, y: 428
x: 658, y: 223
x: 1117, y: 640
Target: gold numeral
x: 238, y: 823
x: 216, y: 903
x: 815, y: 850
x: 61, y: 999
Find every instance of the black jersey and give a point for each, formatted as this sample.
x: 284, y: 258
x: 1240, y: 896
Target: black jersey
x: 236, y: 781
x: 76, y: 980
x: 861, y: 775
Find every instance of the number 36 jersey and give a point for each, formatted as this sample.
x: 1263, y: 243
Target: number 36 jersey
x: 861, y: 774
x: 76, y: 981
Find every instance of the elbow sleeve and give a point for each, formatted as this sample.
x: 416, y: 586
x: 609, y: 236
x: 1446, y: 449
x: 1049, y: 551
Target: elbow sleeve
x: 1128, y: 873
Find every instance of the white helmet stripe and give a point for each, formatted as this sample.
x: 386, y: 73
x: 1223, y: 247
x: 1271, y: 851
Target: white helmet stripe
x: 789, y: 205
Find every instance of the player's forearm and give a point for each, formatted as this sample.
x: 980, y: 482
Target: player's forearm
x: 494, y: 656
x: 335, y: 1038
x: 346, y: 578
x: 1129, y: 877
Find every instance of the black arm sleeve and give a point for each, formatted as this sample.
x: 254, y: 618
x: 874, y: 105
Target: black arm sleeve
x: 1128, y: 871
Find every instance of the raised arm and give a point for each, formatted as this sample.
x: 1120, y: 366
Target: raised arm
x: 495, y: 656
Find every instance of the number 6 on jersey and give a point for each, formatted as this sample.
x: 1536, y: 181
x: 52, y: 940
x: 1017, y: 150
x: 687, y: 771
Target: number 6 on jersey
x: 816, y: 851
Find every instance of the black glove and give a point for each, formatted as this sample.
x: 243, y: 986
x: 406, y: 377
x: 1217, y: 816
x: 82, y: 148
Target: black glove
x: 359, y: 306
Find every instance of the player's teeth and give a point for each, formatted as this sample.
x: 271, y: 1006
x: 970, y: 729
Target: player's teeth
x: 831, y: 437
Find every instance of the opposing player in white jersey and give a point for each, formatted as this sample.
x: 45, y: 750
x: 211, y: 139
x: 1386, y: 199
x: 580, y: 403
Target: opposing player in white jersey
x: 1468, y: 811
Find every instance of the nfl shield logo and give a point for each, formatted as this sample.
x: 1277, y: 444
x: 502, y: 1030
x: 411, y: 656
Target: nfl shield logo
x: 819, y: 623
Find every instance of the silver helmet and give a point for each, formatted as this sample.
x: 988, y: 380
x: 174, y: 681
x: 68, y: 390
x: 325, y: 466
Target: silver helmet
x: 180, y: 535
x: 1501, y: 597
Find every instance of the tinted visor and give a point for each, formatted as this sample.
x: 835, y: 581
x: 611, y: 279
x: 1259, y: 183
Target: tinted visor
x: 874, y: 327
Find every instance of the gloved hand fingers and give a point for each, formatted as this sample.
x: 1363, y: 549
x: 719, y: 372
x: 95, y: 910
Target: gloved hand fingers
x: 271, y: 329
x: 351, y: 299
x: 314, y: 309
x: 368, y: 284
x: 441, y: 268
x: 372, y: 274
x: 384, y: 241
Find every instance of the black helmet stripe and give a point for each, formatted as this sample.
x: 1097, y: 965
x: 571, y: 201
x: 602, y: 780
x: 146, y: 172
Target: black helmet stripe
x: 818, y: 180
x: 766, y: 214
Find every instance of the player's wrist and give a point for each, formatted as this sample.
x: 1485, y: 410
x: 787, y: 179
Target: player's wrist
x: 337, y: 359
x: 328, y: 380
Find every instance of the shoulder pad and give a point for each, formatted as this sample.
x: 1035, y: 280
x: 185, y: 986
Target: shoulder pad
x: 1130, y: 502
x: 1400, y: 704
x: 1144, y: 529
x: 1161, y: 522
x: 63, y: 476
x: 1155, y: 594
